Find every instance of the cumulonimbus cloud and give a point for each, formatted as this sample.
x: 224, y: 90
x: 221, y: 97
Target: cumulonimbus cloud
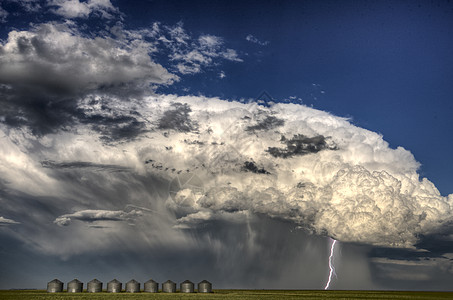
x: 286, y: 161
x: 316, y: 170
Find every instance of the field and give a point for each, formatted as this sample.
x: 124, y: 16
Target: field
x: 229, y: 294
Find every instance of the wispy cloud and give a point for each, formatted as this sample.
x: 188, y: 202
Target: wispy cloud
x: 76, y: 9
x: 3, y: 15
x: 6, y: 222
x: 98, y: 215
x: 82, y: 164
x: 190, y: 54
x: 255, y: 40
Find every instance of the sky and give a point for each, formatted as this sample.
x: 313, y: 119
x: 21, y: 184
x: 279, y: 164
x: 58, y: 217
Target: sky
x: 227, y: 140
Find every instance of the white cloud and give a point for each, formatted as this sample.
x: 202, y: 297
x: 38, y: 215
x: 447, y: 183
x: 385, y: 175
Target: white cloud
x: 177, y: 34
x: 29, y: 5
x: 3, y: 15
x: 210, y: 41
x: 326, y: 175
x: 6, y: 222
x: 231, y: 54
x: 188, y: 68
x: 75, y: 9
x: 52, y: 56
x: 222, y: 75
x: 191, y: 55
x: 253, y: 39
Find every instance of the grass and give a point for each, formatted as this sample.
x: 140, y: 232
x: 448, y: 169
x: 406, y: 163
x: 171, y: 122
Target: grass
x: 228, y: 294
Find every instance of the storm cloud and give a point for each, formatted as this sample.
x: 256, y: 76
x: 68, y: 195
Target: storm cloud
x: 101, y: 166
x: 351, y: 186
x: 43, y: 72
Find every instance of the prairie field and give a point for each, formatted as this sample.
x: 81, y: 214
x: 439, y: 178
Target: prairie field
x: 228, y: 294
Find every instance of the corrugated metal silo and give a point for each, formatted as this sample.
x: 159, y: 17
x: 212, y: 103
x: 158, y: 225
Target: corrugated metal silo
x: 186, y: 286
x: 169, y: 287
x: 204, y: 287
x: 114, y: 286
x: 75, y: 286
x: 55, y: 286
x: 151, y: 286
x: 133, y: 286
x: 94, y: 286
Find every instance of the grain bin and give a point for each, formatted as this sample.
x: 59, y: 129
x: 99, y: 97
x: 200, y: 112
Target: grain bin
x: 169, y: 287
x: 94, y: 286
x: 133, y: 286
x: 114, y: 286
x: 186, y: 286
x: 75, y: 286
x: 55, y: 286
x: 204, y: 287
x: 151, y: 286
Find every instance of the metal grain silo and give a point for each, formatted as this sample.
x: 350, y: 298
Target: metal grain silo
x: 94, y: 286
x: 169, y: 287
x: 186, y: 286
x: 55, y: 286
x: 151, y: 286
x: 114, y: 286
x: 75, y: 286
x: 133, y: 286
x: 204, y: 287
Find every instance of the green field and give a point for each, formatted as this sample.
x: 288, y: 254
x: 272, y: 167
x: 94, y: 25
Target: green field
x: 231, y: 294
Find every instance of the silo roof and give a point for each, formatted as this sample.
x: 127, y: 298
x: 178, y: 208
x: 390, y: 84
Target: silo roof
x: 168, y: 281
x: 75, y: 281
x: 187, y: 281
x: 94, y: 281
x: 205, y: 281
x: 132, y: 281
x: 55, y: 281
x: 114, y: 281
x: 152, y: 281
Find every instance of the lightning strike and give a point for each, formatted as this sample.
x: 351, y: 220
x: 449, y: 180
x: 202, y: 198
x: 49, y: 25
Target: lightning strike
x: 331, y: 267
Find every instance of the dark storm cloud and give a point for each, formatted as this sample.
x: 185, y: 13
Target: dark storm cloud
x: 97, y: 215
x: 44, y: 71
x: 270, y: 122
x: 250, y: 166
x: 300, y: 145
x: 118, y: 128
x: 438, y: 243
x: 178, y: 118
x: 82, y: 165
x: 42, y: 113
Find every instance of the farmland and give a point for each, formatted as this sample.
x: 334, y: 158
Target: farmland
x: 228, y: 294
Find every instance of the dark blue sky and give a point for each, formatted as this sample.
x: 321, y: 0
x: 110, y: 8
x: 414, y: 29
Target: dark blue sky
x: 385, y: 64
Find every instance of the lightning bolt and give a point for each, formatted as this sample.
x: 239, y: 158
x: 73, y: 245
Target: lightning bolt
x: 331, y: 267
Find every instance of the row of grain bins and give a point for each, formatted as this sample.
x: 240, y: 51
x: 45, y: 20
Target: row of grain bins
x: 132, y: 286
